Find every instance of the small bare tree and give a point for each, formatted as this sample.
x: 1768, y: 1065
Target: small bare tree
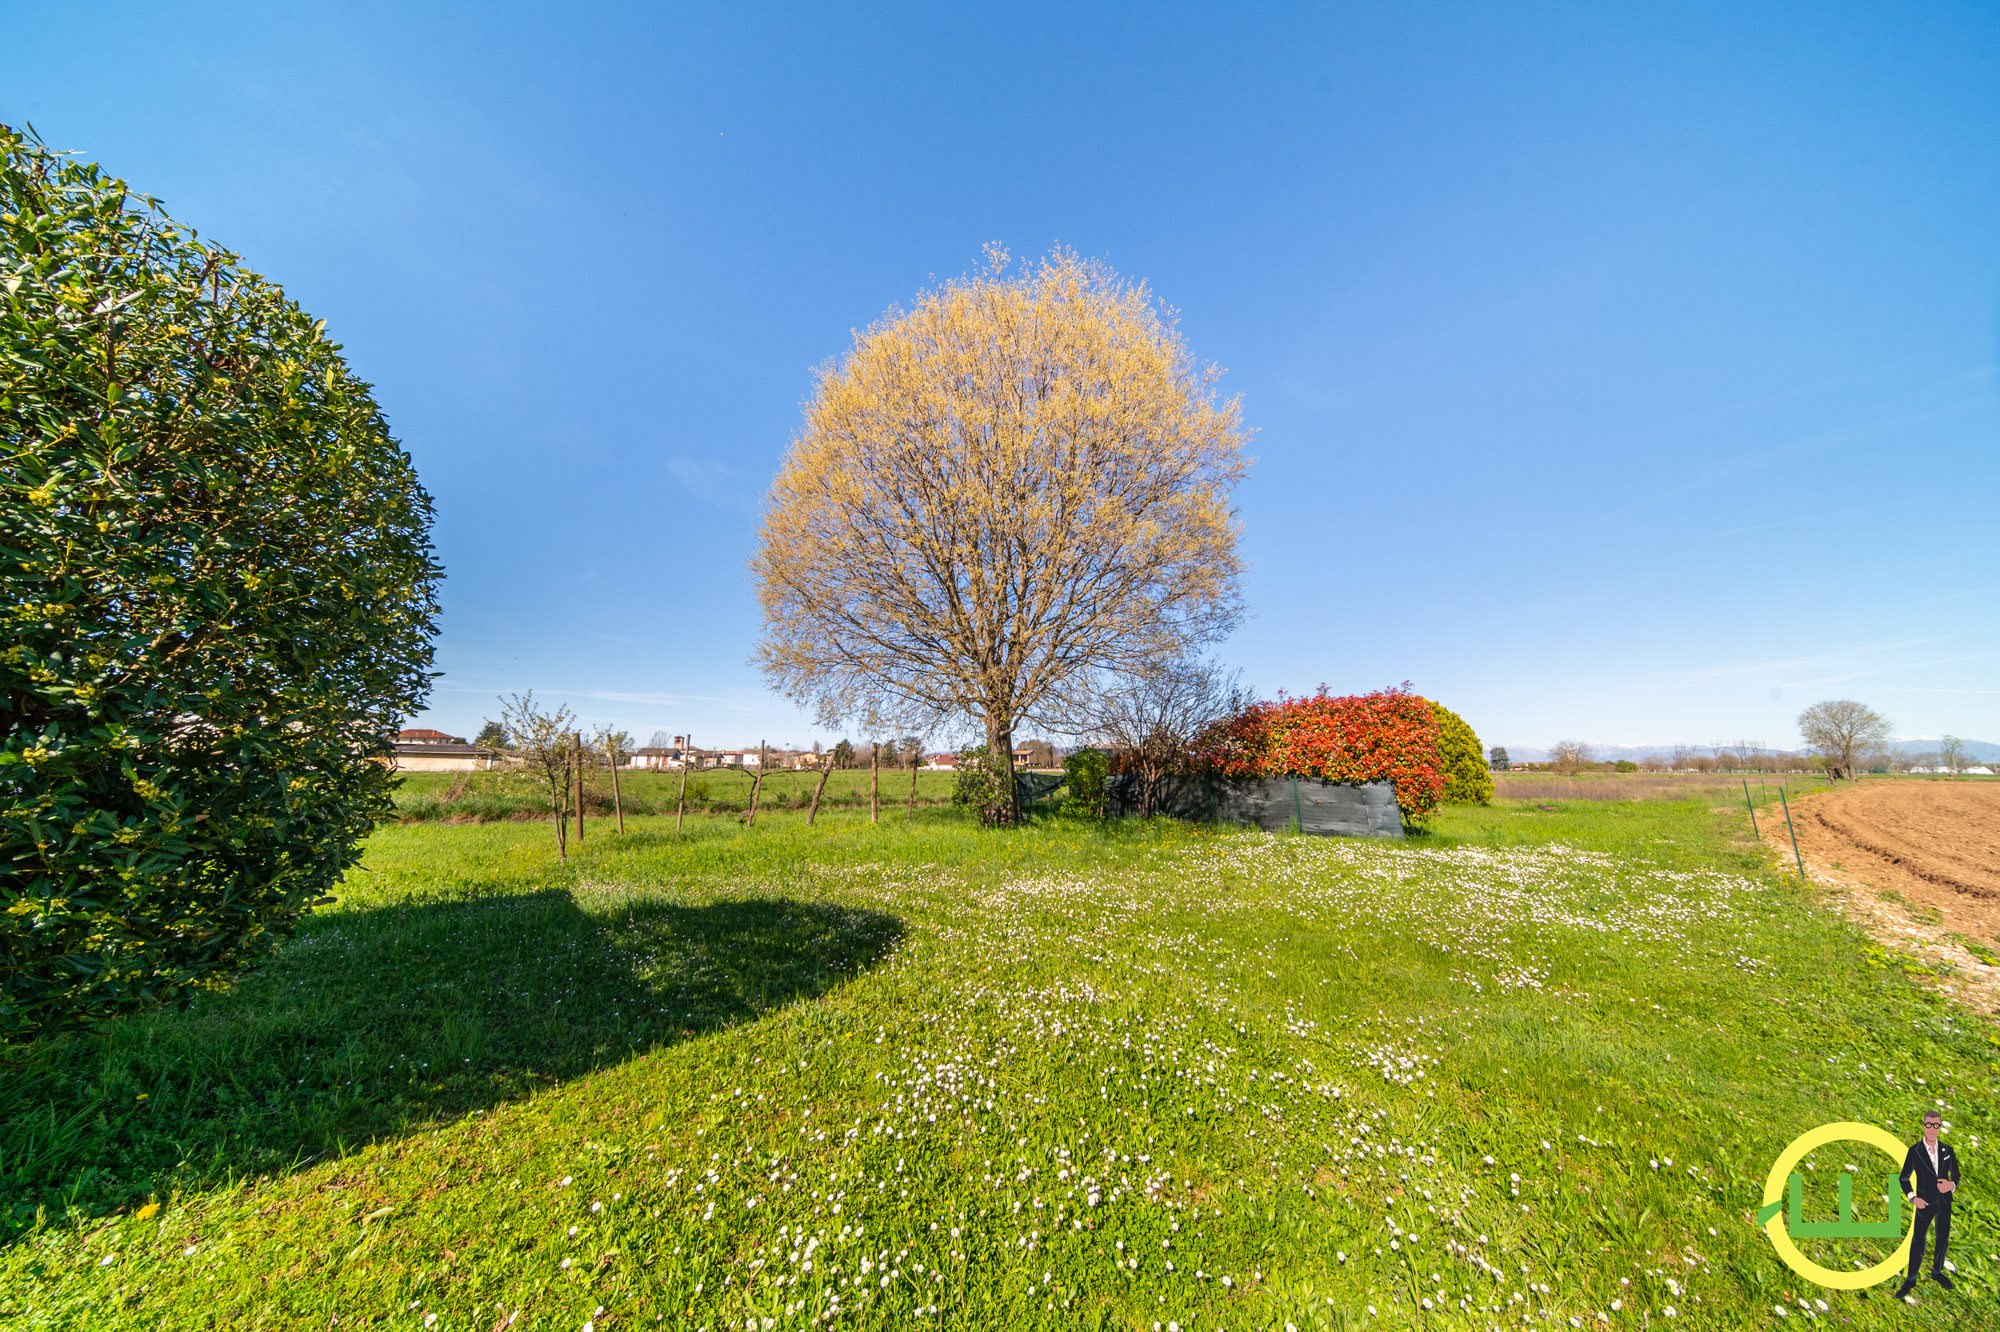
x: 1842, y: 730
x: 544, y: 740
x: 825, y: 770
x: 1569, y: 756
x: 1951, y: 755
x: 1149, y: 718
x: 757, y: 784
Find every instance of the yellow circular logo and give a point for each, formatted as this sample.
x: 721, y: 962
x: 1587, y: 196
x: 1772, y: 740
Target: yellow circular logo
x: 1782, y: 1181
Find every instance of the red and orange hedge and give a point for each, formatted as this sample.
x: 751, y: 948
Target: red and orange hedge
x: 1390, y: 735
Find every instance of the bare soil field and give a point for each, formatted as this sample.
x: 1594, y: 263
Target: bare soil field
x: 1918, y: 862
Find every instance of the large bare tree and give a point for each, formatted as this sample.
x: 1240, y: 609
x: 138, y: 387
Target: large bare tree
x: 1569, y: 756
x: 1022, y: 480
x: 1842, y: 730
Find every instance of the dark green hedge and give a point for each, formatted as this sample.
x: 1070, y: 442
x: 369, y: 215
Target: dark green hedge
x: 1086, y: 773
x: 218, y: 600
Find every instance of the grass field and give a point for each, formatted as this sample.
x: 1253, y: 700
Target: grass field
x: 488, y: 796
x: 1527, y: 1070
x: 1653, y: 785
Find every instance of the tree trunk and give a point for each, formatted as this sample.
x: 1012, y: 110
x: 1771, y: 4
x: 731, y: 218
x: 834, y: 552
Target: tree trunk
x: 576, y: 738
x: 875, y: 783
x: 916, y: 759
x: 558, y: 797
x: 825, y: 769
x: 687, y: 743
x: 1000, y: 753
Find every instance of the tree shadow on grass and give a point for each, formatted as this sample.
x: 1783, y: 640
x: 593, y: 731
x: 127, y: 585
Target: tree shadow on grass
x: 372, y: 1023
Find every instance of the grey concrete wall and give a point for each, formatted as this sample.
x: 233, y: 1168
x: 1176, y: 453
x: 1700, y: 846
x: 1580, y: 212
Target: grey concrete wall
x: 1331, y: 809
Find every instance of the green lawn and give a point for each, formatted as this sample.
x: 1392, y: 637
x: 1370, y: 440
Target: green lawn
x: 488, y: 796
x: 1530, y: 1067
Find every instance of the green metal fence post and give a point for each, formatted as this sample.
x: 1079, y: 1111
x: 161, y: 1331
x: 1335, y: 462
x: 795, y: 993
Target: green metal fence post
x: 1793, y: 831
x: 1753, y: 810
x: 1298, y: 810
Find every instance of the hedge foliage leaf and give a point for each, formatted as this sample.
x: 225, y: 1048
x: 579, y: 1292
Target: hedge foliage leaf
x: 219, y: 601
x: 1390, y: 735
x: 1468, y: 780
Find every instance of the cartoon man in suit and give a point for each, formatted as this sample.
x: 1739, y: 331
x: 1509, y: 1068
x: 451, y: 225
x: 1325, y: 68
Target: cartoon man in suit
x: 1929, y: 1179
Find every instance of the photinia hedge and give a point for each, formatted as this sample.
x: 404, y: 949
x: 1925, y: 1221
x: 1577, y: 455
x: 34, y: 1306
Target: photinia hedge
x: 1390, y: 735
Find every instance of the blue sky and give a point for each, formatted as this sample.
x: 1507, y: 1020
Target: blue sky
x: 1624, y: 373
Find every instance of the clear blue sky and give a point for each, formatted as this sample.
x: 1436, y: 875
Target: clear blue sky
x: 1620, y: 372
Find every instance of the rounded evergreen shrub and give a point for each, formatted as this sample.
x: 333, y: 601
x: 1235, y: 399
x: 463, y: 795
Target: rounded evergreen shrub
x: 1468, y: 780
x: 219, y: 595
x: 1086, y: 774
x: 981, y: 785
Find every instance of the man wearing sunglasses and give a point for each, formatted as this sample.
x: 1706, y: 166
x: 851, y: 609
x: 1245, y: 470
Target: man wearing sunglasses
x: 1929, y: 1179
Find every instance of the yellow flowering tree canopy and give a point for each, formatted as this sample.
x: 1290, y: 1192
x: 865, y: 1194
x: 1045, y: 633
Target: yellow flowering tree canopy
x: 1020, y: 483
x: 219, y: 595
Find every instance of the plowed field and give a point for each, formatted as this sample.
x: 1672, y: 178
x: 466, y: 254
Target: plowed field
x: 1920, y: 864
x: 1935, y: 842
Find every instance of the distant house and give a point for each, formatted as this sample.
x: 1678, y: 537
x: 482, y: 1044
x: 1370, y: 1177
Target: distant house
x: 663, y: 758
x: 672, y: 759
x: 1036, y: 754
x: 942, y: 763
x: 415, y: 752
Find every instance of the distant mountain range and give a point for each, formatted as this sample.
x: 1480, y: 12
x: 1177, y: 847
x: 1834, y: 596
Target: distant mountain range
x: 1977, y: 751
